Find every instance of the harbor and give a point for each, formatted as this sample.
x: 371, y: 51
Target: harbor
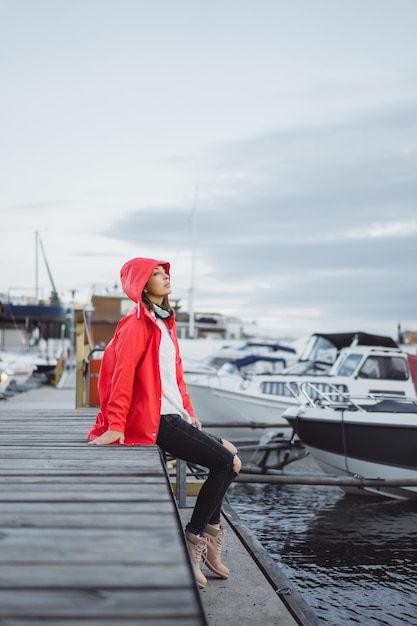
x: 271, y: 506
x: 260, y: 159
x: 280, y: 482
x: 86, y: 538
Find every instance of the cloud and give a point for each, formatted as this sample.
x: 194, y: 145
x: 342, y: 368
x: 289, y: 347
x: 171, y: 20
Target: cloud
x: 321, y: 218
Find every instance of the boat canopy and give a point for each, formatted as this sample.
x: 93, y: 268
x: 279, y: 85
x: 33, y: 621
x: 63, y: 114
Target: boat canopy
x: 344, y: 340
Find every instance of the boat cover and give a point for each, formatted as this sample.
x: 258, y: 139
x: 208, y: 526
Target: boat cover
x: 343, y: 340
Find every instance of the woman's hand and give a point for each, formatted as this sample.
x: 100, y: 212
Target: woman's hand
x: 110, y: 436
x: 195, y: 422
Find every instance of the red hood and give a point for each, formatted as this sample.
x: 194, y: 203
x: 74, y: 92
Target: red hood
x: 135, y: 274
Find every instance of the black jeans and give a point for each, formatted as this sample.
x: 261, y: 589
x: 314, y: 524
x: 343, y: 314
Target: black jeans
x: 183, y: 441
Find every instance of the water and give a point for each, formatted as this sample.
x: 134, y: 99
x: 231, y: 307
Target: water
x: 352, y: 558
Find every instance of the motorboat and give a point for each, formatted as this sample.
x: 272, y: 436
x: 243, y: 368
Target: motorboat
x: 223, y: 418
x: 280, y: 354
x: 369, y: 438
x: 19, y: 367
x: 354, y: 363
x: 4, y: 381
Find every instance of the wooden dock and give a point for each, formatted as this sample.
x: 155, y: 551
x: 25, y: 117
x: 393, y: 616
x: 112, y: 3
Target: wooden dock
x: 88, y: 535
x: 92, y: 535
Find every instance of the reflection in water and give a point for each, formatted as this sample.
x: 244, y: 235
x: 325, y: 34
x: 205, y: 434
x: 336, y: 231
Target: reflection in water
x: 353, y: 558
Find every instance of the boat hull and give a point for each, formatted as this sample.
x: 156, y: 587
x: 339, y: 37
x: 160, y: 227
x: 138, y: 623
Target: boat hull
x: 366, y: 444
x: 252, y: 416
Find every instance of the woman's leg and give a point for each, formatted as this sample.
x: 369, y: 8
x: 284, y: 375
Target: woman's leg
x: 184, y: 441
x: 215, y: 517
x: 215, y: 534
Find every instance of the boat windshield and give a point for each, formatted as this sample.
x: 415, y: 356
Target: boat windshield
x: 348, y: 366
x: 319, y: 349
x: 384, y: 368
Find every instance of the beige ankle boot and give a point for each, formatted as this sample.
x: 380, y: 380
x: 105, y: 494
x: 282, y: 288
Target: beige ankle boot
x: 215, y: 538
x: 197, y: 548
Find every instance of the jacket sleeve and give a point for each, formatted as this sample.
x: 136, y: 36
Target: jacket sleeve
x: 129, y: 346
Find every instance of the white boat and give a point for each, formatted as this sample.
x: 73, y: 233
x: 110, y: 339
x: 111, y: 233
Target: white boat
x: 4, y: 381
x: 368, y: 438
x: 281, y: 355
x: 356, y: 363
x: 19, y: 367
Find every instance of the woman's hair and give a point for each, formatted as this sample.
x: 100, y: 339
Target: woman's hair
x: 149, y: 304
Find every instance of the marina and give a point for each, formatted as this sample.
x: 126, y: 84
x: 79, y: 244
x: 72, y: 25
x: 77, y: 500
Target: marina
x: 209, y: 213
x: 268, y: 515
x: 353, y: 363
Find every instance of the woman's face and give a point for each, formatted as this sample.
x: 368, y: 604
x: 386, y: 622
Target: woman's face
x: 158, y: 285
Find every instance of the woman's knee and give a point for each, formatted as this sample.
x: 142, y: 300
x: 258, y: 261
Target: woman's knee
x: 237, y: 464
x: 229, y: 446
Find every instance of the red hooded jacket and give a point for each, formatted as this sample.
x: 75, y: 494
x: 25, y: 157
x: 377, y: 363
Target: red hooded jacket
x: 129, y: 383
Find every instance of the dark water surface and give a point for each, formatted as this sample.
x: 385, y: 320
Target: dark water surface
x: 353, y: 558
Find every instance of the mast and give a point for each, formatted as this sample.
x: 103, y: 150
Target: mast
x: 54, y: 293
x: 191, y: 294
x: 36, y: 267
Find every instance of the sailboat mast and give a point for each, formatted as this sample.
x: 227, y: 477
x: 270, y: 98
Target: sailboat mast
x: 191, y: 298
x: 39, y: 244
x: 36, y: 267
x: 54, y: 295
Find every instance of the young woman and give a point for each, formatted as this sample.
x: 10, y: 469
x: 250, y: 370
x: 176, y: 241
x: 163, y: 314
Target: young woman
x: 143, y: 400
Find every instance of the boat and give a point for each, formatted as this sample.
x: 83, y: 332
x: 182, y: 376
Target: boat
x: 4, y: 381
x: 356, y: 362
x: 369, y: 438
x: 34, y: 329
x: 233, y: 354
x: 19, y: 368
x: 32, y: 333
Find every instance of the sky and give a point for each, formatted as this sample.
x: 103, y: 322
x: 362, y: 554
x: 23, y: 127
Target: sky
x: 266, y: 148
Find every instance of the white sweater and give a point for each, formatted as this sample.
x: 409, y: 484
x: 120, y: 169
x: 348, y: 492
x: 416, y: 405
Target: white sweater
x: 171, y: 395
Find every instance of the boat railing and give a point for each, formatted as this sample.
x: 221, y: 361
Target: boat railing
x: 307, y: 392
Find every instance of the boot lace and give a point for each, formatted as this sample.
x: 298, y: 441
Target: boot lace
x: 200, y: 550
x: 218, y: 542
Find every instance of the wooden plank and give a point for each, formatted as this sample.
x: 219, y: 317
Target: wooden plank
x: 88, y: 479
x: 134, y: 454
x: 171, y: 620
x: 148, y: 485
x: 85, y: 604
x: 66, y: 509
x: 97, y: 545
x: 157, y: 494
x: 62, y: 575
x: 151, y: 520
x: 81, y: 461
